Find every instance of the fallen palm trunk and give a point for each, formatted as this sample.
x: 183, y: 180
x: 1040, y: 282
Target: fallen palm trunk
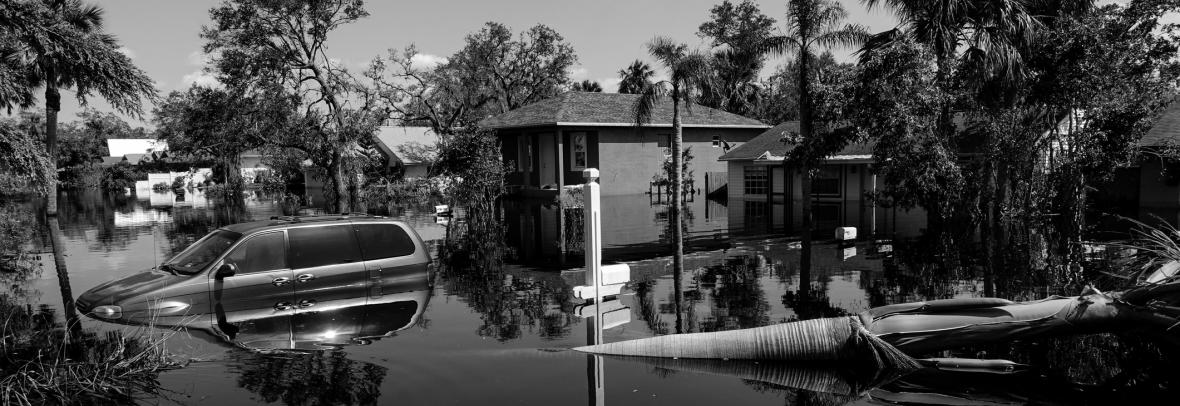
x: 886, y: 336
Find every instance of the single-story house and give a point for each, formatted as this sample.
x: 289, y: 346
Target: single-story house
x: 412, y: 148
x: 766, y: 196
x: 547, y: 144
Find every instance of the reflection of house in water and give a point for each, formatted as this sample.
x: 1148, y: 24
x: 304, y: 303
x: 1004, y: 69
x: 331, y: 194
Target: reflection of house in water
x: 762, y: 199
x: 632, y: 226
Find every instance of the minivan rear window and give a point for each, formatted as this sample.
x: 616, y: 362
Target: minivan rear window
x: 383, y: 241
x: 319, y: 246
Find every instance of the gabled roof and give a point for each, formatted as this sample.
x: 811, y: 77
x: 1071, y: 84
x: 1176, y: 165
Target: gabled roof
x: 124, y: 146
x: 768, y: 147
x: 611, y: 110
x: 1166, y: 130
x: 389, y: 138
x: 134, y: 159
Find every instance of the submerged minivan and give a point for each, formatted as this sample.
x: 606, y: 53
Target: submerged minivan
x: 264, y: 269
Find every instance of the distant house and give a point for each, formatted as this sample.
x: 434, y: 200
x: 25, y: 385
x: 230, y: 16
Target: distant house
x: 397, y: 143
x: 1158, y: 178
x: 762, y: 192
x: 547, y: 144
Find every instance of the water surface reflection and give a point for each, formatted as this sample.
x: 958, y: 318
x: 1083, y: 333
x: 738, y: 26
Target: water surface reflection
x: 492, y: 332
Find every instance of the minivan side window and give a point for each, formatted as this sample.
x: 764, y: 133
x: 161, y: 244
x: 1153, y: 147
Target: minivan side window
x: 383, y: 241
x: 261, y: 253
x: 319, y: 246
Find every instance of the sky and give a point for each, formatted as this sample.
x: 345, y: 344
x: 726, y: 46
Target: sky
x: 162, y: 36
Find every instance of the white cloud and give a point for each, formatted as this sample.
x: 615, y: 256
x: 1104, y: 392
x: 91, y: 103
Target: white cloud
x: 426, y: 61
x: 578, y: 74
x: 200, y: 78
x: 610, y: 85
x: 127, y: 51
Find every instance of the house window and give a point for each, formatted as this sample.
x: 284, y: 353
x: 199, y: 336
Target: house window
x: 579, y: 152
x: 665, y: 141
x: 755, y: 180
x: 525, y: 163
x: 756, y: 212
x: 826, y: 181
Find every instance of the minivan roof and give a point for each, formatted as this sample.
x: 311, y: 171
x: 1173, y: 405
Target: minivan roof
x: 279, y: 221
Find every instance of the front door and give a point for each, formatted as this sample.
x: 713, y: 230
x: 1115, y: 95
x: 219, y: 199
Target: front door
x: 547, y: 149
x: 328, y: 267
x: 261, y: 290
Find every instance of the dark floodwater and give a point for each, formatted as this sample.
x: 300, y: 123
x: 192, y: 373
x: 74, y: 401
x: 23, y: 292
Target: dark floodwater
x: 497, y: 336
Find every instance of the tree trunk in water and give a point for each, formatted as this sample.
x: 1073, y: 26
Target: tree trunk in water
x: 805, y: 133
x: 52, y: 106
x: 677, y: 198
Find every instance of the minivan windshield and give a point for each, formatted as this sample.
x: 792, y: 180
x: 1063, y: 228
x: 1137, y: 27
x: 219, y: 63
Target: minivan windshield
x: 197, y: 256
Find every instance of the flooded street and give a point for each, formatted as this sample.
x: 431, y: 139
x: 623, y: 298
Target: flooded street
x: 501, y: 336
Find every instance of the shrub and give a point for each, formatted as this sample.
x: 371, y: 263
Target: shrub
x: 121, y: 177
x: 179, y: 182
x: 44, y: 362
x: 161, y: 187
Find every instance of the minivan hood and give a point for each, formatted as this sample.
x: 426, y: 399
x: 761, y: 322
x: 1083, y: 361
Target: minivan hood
x: 118, y: 291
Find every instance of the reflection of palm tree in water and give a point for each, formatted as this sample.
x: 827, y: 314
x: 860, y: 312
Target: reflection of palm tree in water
x: 73, y: 326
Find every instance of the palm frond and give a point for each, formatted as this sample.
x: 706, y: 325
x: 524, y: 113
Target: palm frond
x: 666, y: 50
x: 646, y: 103
x: 780, y: 45
x: 850, y: 36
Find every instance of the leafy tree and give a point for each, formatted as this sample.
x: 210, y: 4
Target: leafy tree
x: 24, y: 166
x: 1109, y: 73
x: 896, y: 101
x: 740, y: 34
x: 59, y: 44
x: 494, y: 72
x: 812, y: 25
x: 635, y: 77
x: 587, y: 86
x: 780, y: 99
x: 264, y: 48
x: 213, y: 123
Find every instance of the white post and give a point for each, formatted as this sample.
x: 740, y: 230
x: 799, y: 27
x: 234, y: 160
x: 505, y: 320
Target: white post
x: 591, y: 194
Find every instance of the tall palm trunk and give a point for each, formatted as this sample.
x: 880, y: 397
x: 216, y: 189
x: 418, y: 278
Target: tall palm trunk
x: 52, y: 106
x: 805, y: 132
x: 677, y: 198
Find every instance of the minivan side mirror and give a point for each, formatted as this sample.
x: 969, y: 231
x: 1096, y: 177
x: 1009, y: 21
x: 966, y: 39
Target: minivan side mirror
x: 226, y: 270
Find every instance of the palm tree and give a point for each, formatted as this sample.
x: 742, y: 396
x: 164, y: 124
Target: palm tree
x: 686, y: 72
x: 587, y: 86
x: 636, y: 77
x: 60, y: 44
x: 812, y: 25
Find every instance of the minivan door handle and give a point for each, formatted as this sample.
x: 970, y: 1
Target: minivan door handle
x: 280, y: 281
x: 305, y: 277
x: 281, y: 306
x: 307, y: 303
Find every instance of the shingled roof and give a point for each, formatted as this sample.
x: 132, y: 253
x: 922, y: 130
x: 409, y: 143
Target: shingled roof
x: 1166, y: 130
x: 610, y: 110
x: 768, y: 147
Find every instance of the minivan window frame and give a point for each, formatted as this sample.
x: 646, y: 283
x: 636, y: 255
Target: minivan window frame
x: 406, y: 230
x: 246, y: 239
x: 349, y: 225
x: 212, y: 270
